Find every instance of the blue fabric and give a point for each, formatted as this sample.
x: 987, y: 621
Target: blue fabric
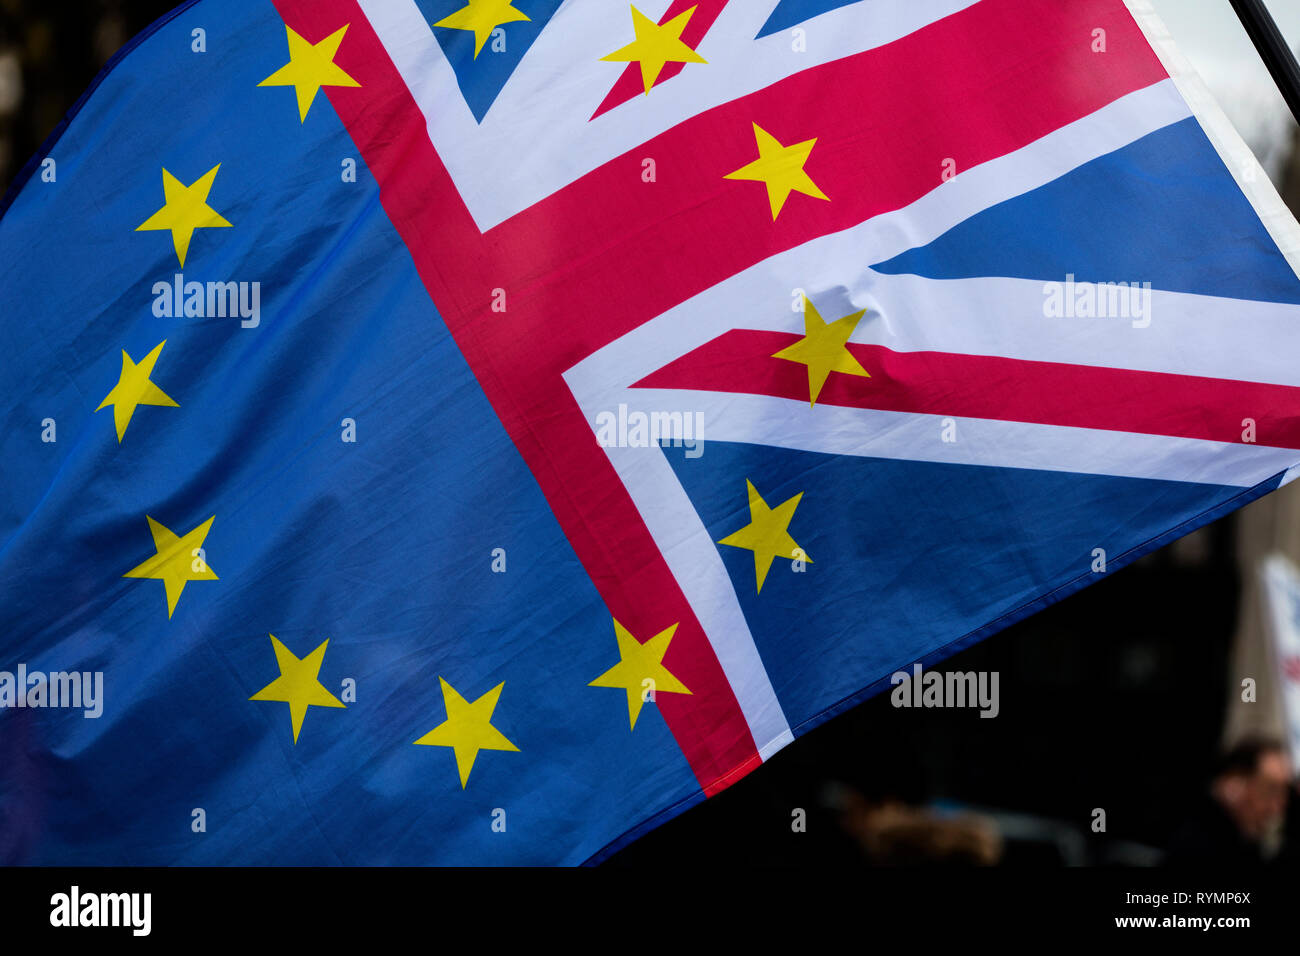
x: 1162, y: 210
x: 382, y: 546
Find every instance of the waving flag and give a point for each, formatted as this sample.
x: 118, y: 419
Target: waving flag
x: 474, y: 431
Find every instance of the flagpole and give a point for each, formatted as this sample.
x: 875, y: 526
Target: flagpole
x: 1273, y: 49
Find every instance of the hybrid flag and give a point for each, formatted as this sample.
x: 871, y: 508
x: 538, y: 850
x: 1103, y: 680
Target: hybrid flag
x: 474, y: 431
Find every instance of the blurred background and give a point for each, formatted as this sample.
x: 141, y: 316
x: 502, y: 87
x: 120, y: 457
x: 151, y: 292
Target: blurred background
x: 1123, y: 698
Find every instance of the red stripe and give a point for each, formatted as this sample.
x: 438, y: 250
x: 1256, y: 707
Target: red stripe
x: 630, y: 85
x: 1006, y: 389
x: 607, y: 253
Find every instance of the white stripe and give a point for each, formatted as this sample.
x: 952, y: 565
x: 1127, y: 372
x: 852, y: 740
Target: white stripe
x: 1179, y: 332
x: 909, y: 436
x: 698, y: 568
x: 1186, y: 335
x: 1114, y: 126
x: 537, y: 137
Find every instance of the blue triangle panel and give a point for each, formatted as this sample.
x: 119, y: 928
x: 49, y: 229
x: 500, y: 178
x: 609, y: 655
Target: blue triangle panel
x: 481, y: 78
x: 910, y: 561
x: 1163, y: 210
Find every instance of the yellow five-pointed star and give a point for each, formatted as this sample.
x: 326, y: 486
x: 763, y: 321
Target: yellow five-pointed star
x: 297, y: 684
x: 178, y: 561
x: 133, y: 388
x: 767, y: 533
x: 780, y: 168
x: 310, y: 66
x: 823, y: 349
x: 640, y: 669
x: 468, y: 728
x: 185, y: 210
x: 481, y: 17
x: 656, y: 46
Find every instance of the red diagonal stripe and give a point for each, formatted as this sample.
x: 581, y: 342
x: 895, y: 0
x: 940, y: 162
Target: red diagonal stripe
x: 629, y: 84
x: 583, y: 490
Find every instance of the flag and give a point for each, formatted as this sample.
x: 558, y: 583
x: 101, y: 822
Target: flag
x: 474, y: 432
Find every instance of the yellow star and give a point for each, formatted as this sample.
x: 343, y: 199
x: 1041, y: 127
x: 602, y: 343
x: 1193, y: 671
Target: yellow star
x: 482, y: 17
x: 780, y: 168
x: 468, y: 728
x: 177, y: 562
x: 767, y: 533
x: 639, y: 664
x: 823, y: 349
x: 656, y: 46
x: 134, y: 388
x: 186, y: 209
x: 310, y: 67
x: 297, y: 684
